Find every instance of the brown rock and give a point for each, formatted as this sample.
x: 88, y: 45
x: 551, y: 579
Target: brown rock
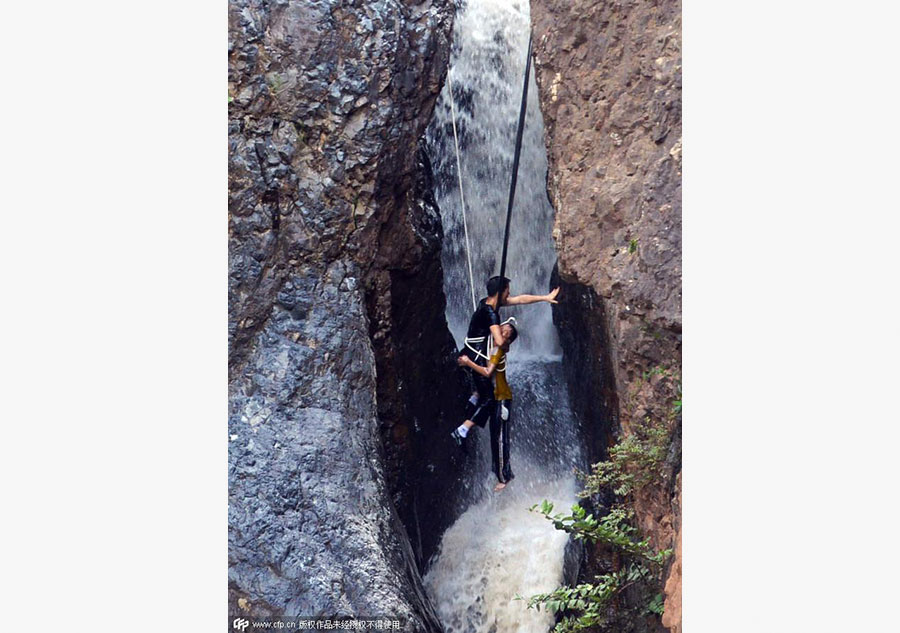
x: 609, y: 79
x: 672, y: 612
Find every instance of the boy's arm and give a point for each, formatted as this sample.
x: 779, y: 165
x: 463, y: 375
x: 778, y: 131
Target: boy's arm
x: 487, y: 372
x: 521, y: 300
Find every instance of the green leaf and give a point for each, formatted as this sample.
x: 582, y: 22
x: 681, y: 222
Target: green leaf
x: 657, y: 605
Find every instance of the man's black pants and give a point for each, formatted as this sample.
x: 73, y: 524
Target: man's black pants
x: 480, y: 407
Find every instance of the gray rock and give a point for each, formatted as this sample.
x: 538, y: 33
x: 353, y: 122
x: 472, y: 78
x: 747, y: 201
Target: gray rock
x: 331, y: 237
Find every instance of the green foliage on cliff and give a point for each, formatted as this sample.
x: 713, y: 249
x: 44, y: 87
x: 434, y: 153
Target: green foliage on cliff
x: 613, y: 529
x: 634, y: 462
x: 587, y: 604
x: 656, y: 605
x: 588, y: 599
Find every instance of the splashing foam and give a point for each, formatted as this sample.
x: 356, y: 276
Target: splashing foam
x: 498, y: 549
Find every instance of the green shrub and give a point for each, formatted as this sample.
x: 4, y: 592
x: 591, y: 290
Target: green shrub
x: 587, y: 604
x: 634, y: 462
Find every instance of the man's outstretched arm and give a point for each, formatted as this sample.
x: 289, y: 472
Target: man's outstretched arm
x: 521, y: 300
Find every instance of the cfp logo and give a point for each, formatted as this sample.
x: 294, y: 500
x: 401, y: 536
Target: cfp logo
x: 240, y: 624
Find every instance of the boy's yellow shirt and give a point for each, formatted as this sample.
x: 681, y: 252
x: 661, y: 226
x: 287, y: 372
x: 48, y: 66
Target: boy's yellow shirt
x: 501, y: 387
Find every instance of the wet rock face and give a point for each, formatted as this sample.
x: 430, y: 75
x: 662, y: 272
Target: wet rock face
x: 609, y: 78
x: 328, y: 101
x: 419, y: 383
x: 581, y: 322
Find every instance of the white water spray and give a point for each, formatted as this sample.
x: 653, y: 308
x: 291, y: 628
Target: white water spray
x: 497, y: 548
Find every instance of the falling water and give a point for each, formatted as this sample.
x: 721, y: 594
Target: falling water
x: 486, y: 70
x: 497, y: 548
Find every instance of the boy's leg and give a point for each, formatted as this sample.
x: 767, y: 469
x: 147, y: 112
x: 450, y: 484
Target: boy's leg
x: 460, y: 432
x: 504, y: 439
x: 472, y: 408
x: 482, y: 397
x: 484, y: 412
x: 473, y: 399
x: 495, y: 445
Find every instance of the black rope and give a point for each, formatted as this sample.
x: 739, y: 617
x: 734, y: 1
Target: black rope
x: 515, y: 169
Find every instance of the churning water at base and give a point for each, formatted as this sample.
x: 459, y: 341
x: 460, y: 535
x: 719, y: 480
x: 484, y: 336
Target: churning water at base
x: 498, y: 548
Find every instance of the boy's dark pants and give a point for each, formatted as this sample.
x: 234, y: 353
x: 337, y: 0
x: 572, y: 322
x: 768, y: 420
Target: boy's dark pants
x: 500, y: 441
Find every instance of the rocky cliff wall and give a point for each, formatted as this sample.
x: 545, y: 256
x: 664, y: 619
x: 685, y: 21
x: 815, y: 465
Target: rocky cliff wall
x: 609, y: 78
x: 331, y: 237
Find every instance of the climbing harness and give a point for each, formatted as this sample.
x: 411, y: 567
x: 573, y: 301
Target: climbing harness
x: 478, y: 340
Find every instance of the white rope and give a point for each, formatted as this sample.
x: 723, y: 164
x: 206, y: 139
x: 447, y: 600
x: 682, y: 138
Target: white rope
x: 477, y: 341
x: 462, y: 199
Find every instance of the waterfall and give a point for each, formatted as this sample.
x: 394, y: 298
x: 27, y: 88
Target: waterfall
x: 497, y: 548
x: 486, y: 68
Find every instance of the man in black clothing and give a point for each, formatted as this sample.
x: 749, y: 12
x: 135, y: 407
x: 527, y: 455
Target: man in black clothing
x: 482, y: 337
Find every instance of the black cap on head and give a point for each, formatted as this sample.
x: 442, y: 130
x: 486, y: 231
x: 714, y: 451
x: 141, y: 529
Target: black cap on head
x: 497, y: 285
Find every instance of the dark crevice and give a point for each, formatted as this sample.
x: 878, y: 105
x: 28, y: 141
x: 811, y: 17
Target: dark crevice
x: 418, y: 379
x: 580, y: 318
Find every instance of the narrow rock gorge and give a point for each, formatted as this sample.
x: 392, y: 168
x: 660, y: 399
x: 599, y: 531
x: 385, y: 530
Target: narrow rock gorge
x: 343, y: 382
